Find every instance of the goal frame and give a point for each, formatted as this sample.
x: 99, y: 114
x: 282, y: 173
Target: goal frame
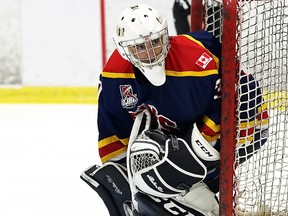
x: 254, y: 126
x: 228, y: 77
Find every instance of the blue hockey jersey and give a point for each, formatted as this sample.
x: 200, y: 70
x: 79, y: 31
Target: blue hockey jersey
x: 190, y: 94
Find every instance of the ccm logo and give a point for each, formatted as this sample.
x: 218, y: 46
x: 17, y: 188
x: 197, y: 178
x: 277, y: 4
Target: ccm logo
x: 203, y: 148
x: 173, y: 207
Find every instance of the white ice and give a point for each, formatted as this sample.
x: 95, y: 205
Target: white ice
x: 43, y: 150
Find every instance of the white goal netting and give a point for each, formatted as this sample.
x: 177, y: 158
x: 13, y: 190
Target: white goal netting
x: 261, y: 183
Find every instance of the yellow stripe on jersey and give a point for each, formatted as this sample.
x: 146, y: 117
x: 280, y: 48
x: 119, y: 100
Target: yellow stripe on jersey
x: 118, y: 75
x: 247, y: 125
x: 245, y: 140
x: 191, y: 73
x: 260, y: 110
x: 111, y: 139
x: 211, y: 124
x: 263, y: 122
x: 262, y: 107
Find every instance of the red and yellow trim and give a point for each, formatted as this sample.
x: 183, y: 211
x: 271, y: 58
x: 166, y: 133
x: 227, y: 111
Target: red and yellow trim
x: 209, y: 130
x: 111, y: 147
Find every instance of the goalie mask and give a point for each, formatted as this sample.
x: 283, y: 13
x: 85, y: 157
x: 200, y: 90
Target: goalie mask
x: 142, y: 39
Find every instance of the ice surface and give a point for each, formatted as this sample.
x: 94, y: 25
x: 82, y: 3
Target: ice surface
x: 43, y: 150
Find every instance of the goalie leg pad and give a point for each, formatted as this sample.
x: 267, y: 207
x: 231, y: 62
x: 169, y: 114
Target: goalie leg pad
x: 111, y: 183
x: 155, y: 206
x: 202, y: 198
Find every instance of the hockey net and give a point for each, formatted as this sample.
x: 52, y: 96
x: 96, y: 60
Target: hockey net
x: 254, y: 38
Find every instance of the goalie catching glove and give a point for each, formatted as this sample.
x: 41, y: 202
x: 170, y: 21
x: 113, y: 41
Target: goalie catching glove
x: 168, y: 167
x: 165, y: 166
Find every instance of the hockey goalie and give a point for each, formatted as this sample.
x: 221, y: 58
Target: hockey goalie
x: 159, y: 120
x: 165, y: 175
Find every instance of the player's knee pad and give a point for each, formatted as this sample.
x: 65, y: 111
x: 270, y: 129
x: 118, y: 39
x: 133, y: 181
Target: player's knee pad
x: 111, y: 183
x: 154, y: 206
x: 200, y: 197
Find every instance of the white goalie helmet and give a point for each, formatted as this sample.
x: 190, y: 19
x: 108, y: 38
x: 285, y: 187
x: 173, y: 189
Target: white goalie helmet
x: 141, y: 37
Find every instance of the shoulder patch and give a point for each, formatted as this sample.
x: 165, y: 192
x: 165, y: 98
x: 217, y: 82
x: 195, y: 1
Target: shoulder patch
x: 204, y: 60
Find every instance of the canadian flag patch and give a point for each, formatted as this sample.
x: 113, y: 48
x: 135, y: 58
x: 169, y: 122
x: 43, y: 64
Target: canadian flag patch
x: 204, y: 60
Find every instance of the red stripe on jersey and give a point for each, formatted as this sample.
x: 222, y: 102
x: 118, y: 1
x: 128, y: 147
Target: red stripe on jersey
x: 207, y: 130
x: 108, y: 149
x: 263, y: 115
x: 247, y: 132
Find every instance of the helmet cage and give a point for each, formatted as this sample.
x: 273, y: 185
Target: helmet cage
x: 153, y: 58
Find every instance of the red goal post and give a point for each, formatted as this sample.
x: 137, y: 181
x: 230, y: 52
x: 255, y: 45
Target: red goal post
x: 254, y: 37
